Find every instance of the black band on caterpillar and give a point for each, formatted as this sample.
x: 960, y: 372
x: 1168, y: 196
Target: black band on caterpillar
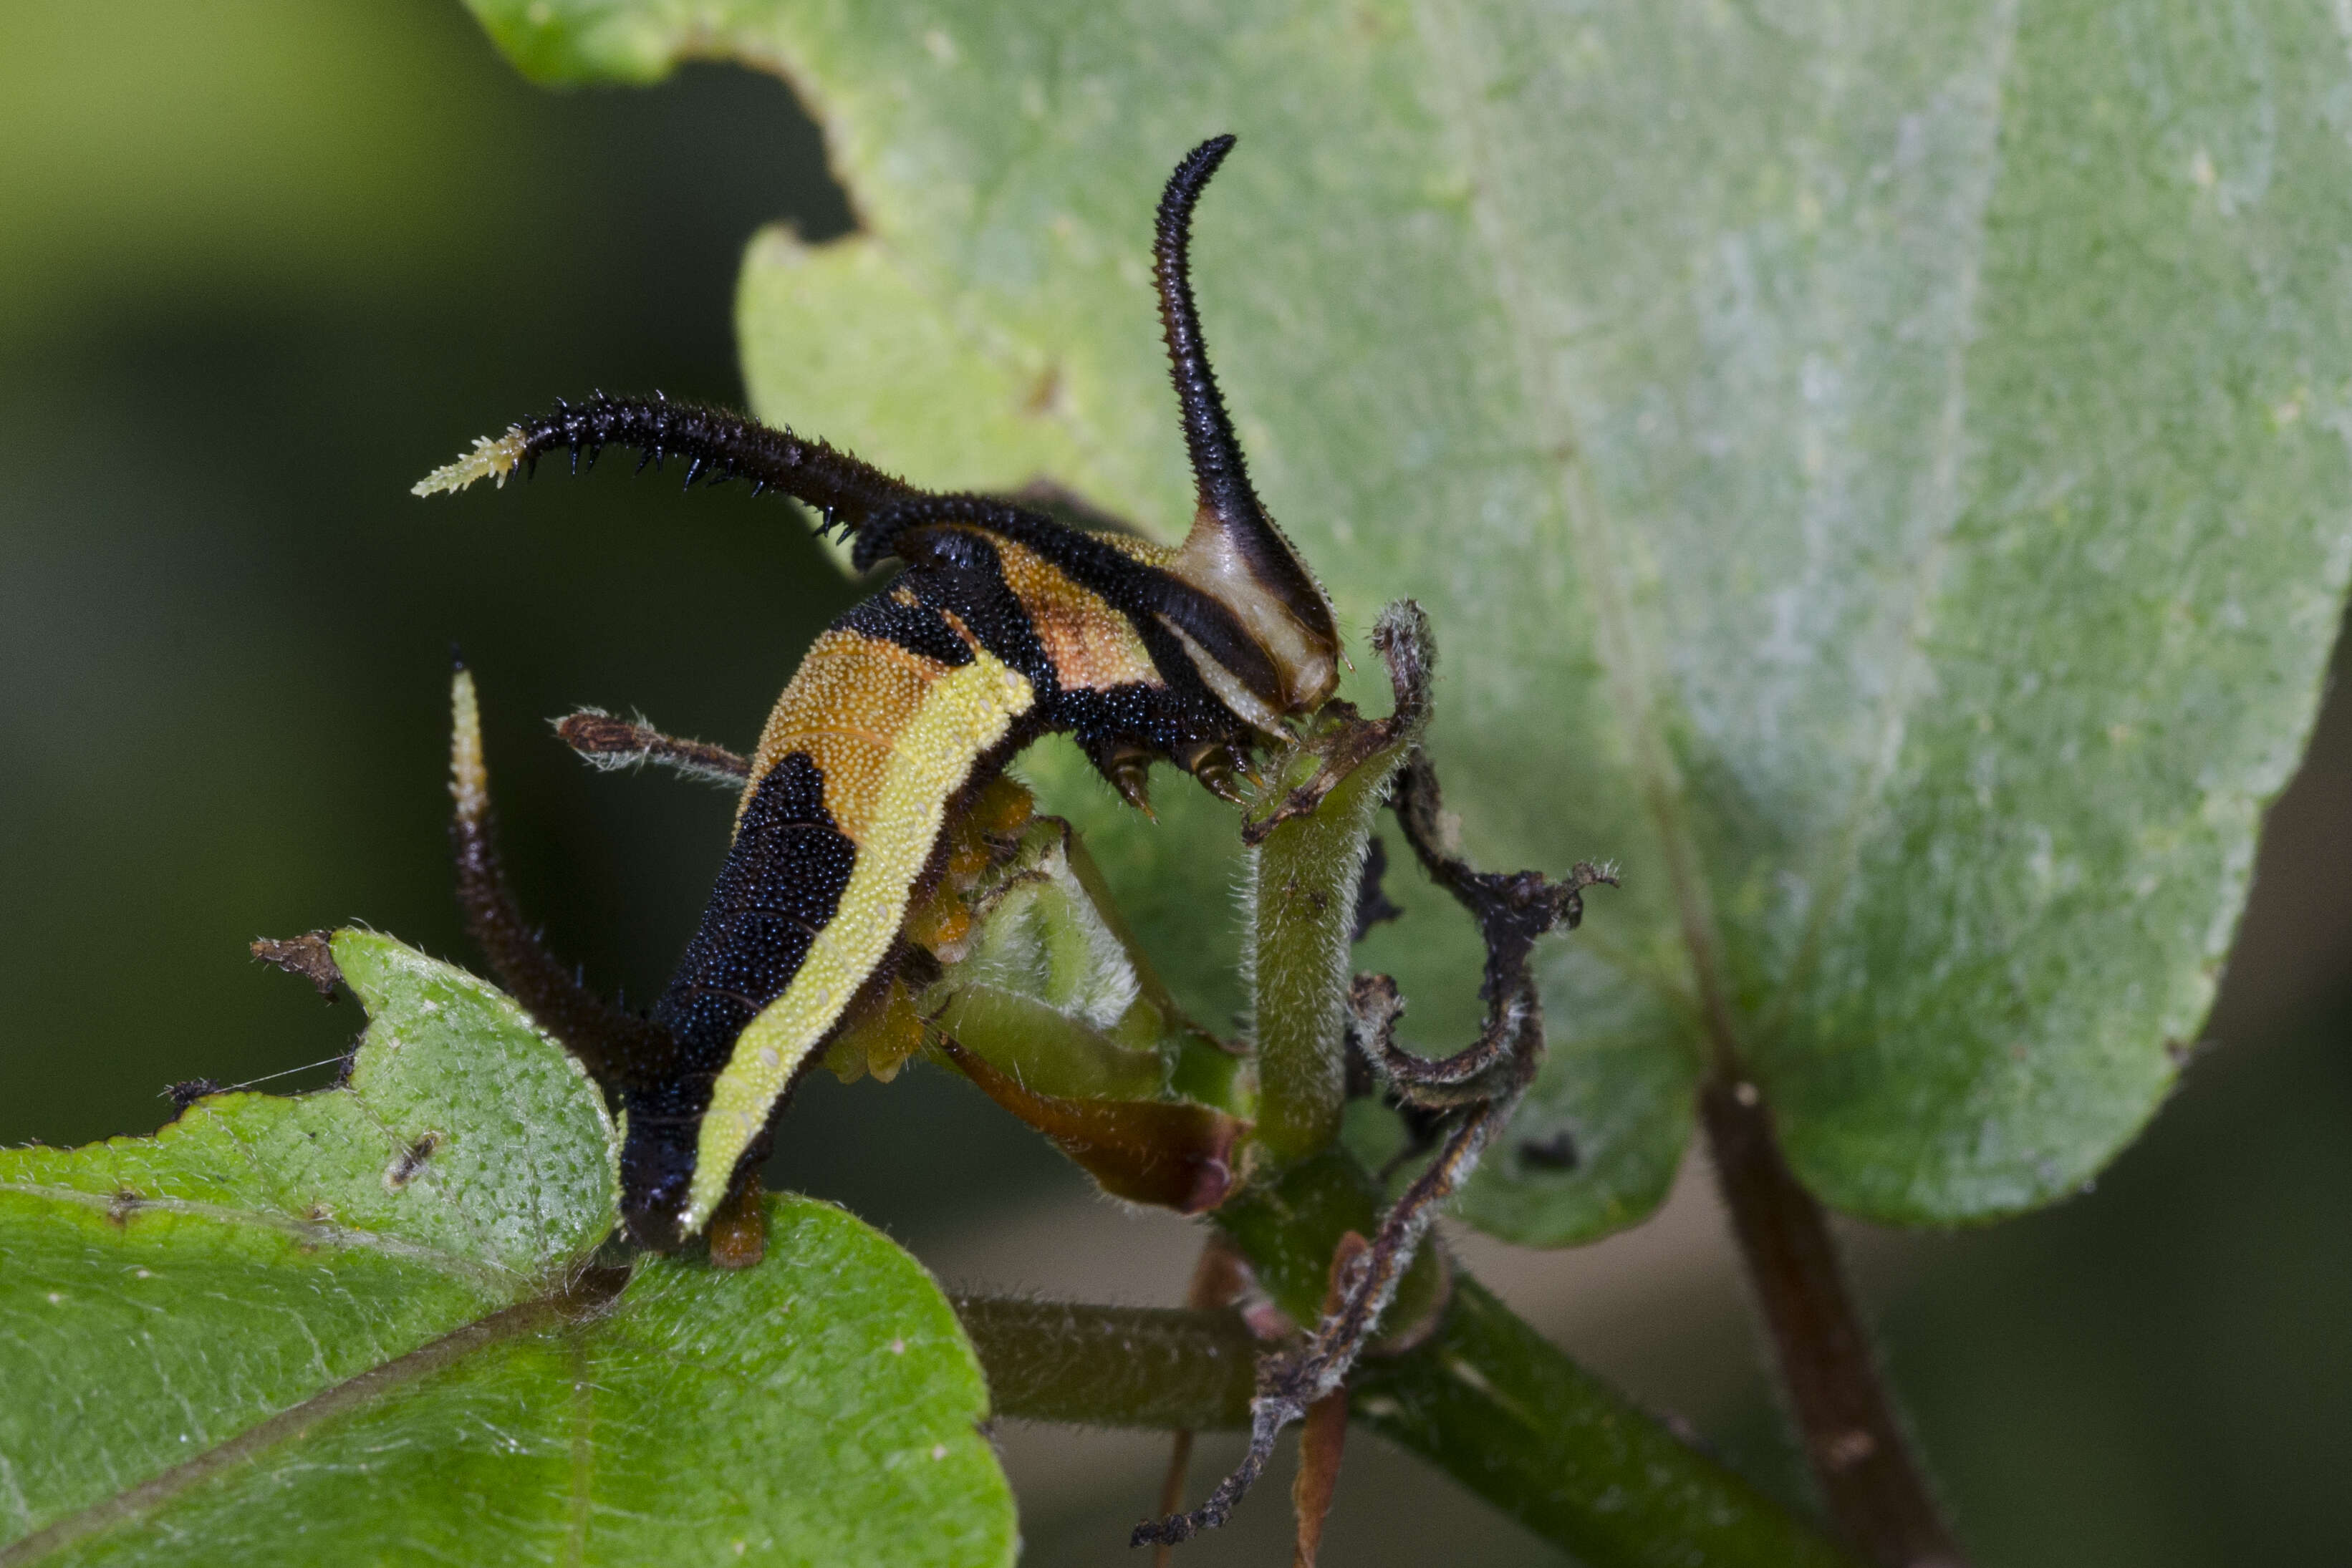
x: 1142, y: 593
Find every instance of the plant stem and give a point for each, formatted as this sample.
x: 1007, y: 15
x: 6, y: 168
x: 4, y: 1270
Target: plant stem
x: 1288, y: 1227
x: 1113, y: 1366
x: 1304, y: 879
x: 1874, y: 1491
x: 1496, y: 1406
x: 1493, y: 1404
x: 1310, y: 838
x: 1487, y: 1399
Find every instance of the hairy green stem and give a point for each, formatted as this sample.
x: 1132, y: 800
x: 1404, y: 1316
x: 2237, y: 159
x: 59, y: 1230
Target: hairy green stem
x: 1164, y: 1368
x: 1494, y: 1404
x: 1303, y: 885
x: 1486, y: 1399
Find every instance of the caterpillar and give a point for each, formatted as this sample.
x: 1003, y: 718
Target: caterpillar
x: 1003, y: 624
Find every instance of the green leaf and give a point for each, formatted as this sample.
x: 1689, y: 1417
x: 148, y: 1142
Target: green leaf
x: 374, y: 1310
x: 1877, y: 471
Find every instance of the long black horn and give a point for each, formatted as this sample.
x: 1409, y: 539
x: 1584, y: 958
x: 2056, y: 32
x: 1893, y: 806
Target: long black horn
x: 1218, y: 470
x: 1221, y: 478
x: 1234, y: 551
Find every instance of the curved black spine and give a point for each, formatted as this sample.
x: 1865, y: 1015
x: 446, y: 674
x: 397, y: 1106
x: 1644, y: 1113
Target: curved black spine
x: 719, y: 446
x: 1219, y: 473
x: 1219, y: 476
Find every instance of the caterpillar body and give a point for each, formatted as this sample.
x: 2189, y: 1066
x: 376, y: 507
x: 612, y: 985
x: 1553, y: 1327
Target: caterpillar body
x: 1004, y: 625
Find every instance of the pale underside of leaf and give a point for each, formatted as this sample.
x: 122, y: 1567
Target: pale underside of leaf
x: 1877, y: 472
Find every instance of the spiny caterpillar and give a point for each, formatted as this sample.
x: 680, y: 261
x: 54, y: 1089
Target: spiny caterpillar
x: 1004, y: 625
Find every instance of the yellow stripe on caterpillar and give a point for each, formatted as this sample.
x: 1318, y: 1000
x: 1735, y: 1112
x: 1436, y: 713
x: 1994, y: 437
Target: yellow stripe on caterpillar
x: 845, y: 709
x: 963, y: 716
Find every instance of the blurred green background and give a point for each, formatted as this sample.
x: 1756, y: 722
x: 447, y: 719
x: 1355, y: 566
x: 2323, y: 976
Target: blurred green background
x: 264, y: 262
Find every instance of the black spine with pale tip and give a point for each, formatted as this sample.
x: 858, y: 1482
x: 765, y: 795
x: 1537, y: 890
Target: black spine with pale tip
x: 715, y: 446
